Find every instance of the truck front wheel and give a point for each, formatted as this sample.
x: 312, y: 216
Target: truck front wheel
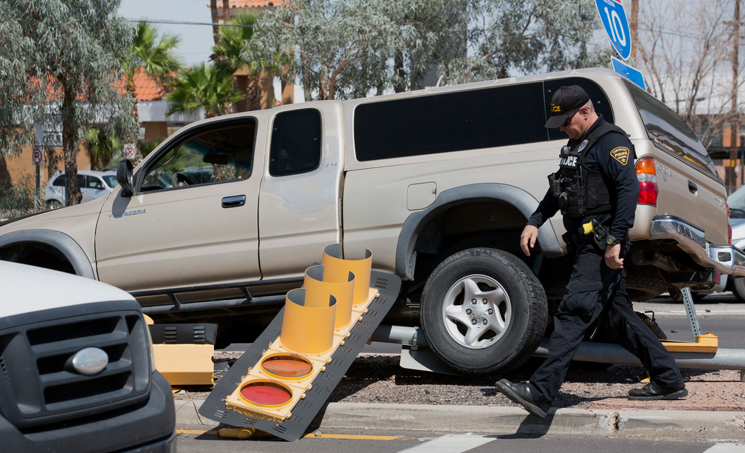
x: 483, y: 311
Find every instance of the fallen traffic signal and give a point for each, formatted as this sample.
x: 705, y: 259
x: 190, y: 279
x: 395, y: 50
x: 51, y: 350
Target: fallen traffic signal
x: 282, y: 381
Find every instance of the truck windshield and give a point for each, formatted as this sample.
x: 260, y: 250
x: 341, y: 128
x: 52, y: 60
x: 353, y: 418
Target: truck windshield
x: 669, y: 132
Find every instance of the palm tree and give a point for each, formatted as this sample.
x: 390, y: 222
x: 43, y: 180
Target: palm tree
x: 228, y: 52
x: 233, y: 51
x: 154, y: 56
x: 202, y: 86
x: 208, y: 87
x: 101, y: 147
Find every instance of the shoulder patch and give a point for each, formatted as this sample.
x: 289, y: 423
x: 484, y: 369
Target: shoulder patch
x: 621, y: 154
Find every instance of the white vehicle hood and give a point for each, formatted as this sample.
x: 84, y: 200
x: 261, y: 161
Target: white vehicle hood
x: 25, y: 289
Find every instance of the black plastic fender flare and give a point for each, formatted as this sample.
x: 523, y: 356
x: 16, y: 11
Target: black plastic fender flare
x: 515, y: 196
x: 60, y: 241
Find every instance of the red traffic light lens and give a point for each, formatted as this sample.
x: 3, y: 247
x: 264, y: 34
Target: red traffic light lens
x: 287, y: 366
x: 266, y: 394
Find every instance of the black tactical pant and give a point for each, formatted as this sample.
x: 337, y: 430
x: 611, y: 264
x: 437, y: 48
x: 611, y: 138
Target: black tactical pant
x: 592, y: 289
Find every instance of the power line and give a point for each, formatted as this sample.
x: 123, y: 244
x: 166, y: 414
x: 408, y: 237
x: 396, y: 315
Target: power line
x: 178, y: 22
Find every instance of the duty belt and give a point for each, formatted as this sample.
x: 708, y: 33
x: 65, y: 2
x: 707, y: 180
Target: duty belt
x: 590, y: 231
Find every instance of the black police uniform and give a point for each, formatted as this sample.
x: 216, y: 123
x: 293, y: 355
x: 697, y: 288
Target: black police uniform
x: 593, y: 286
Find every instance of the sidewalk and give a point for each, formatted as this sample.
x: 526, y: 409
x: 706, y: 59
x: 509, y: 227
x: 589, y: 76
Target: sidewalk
x: 694, y: 425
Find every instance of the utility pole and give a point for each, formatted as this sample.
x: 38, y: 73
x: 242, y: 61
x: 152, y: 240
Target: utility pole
x: 634, y: 28
x: 735, y: 121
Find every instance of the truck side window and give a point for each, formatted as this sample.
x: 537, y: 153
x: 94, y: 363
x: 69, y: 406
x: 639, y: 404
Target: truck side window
x: 296, y: 142
x: 450, y: 122
x: 216, y: 152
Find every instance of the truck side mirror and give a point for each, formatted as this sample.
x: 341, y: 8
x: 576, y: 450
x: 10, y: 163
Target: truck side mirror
x: 124, y: 177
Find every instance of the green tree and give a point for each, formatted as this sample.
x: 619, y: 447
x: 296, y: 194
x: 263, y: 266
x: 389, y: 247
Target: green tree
x: 203, y: 86
x: 152, y: 55
x: 343, y: 49
x: 60, y: 61
x: 526, y: 36
x: 354, y: 48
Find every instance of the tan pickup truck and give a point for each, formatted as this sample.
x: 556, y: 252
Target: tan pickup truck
x: 225, y: 215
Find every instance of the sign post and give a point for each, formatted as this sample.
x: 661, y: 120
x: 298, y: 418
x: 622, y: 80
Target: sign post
x: 36, y: 159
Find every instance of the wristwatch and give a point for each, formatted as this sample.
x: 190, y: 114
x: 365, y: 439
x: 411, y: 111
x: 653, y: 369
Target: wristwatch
x: 611, y: 240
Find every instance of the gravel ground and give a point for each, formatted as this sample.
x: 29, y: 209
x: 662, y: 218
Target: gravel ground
x: 379, y: 379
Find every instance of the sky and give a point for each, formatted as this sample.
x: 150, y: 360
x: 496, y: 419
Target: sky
x: 196, y: 40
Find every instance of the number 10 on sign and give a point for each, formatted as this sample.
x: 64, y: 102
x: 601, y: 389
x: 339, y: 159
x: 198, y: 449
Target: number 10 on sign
x: 616, y: 25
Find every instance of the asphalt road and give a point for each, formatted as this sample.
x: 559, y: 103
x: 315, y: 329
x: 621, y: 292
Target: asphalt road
x: 719, y: 314
x: 394, y: 442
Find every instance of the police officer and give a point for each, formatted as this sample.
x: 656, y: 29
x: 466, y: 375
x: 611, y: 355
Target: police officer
x: 596, y: 190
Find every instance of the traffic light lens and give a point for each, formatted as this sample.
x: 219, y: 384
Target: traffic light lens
x: 287, y: 366
x: 266, y: 394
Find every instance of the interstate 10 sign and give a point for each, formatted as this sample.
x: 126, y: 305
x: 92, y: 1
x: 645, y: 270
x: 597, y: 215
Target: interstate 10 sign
x: 616, y: 25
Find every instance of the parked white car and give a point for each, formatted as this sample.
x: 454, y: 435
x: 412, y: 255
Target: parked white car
x: 77, y: 368
x: 93, y: 184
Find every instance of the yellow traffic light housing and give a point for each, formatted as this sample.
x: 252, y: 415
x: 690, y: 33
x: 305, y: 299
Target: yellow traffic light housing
x: 282, y: 381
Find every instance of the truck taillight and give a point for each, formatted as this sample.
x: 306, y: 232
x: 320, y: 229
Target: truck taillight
x: 647, y: 176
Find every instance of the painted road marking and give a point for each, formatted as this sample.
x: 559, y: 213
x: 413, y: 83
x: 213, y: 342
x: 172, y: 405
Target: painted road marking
x: 726, y: 448
x: 451, y: 444
x: 215, y: 432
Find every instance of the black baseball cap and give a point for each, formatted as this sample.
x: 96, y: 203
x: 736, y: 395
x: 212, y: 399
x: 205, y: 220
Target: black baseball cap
x: 564, y: 102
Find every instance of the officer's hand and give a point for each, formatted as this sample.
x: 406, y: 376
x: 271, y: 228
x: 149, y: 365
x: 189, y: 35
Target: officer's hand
x: 612, y: 260
x: 528, y: 238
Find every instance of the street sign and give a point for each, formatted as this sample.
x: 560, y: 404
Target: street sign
x: 36, y: 156
x: 630, y: 73
x: 616, y: 25
x: 130, y: 150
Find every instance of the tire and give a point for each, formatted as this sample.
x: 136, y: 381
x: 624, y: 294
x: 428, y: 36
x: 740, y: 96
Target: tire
x: 504, y: 326
x: 644, y: 283
x: 738, y: 288
x: 53, y: 204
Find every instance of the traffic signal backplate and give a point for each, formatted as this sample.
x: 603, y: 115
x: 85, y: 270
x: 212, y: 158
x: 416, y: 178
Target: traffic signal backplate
x: 305, y: 410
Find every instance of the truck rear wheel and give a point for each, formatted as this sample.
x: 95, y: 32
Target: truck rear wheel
x: 483, y: 311
x: 738, y: 288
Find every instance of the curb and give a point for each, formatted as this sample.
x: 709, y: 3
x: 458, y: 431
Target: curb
x: 701, y: 425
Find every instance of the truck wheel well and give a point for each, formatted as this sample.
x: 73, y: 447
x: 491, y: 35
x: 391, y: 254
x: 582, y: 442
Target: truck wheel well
x: 37, y: 254
x: 479, y: 223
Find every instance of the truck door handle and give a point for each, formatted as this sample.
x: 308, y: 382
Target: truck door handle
x: 692, y: 187
x: 234, y: 201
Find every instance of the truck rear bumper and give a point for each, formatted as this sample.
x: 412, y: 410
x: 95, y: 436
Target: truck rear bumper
x: 725, y: 258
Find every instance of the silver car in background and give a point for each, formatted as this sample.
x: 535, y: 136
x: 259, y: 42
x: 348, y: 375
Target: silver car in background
x: 93, y: 184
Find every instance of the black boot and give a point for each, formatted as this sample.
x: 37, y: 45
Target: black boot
x: 652, y: 391
x: 520, y: 394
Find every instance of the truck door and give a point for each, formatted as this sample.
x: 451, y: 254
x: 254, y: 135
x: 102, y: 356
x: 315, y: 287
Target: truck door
x: 192, y: 220
x: 299, y: 204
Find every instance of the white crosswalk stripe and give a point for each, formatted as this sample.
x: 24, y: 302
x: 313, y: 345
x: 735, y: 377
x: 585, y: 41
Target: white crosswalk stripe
x: 726, y: 448
x: 451, y: 444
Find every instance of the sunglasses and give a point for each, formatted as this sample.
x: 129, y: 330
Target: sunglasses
x: 569, y: 119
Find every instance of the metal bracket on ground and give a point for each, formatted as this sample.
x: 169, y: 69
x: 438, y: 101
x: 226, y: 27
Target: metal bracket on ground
x: 691, y: 312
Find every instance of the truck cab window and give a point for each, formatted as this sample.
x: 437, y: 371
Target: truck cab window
x: 296, y: 142
x: 215, y: 153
